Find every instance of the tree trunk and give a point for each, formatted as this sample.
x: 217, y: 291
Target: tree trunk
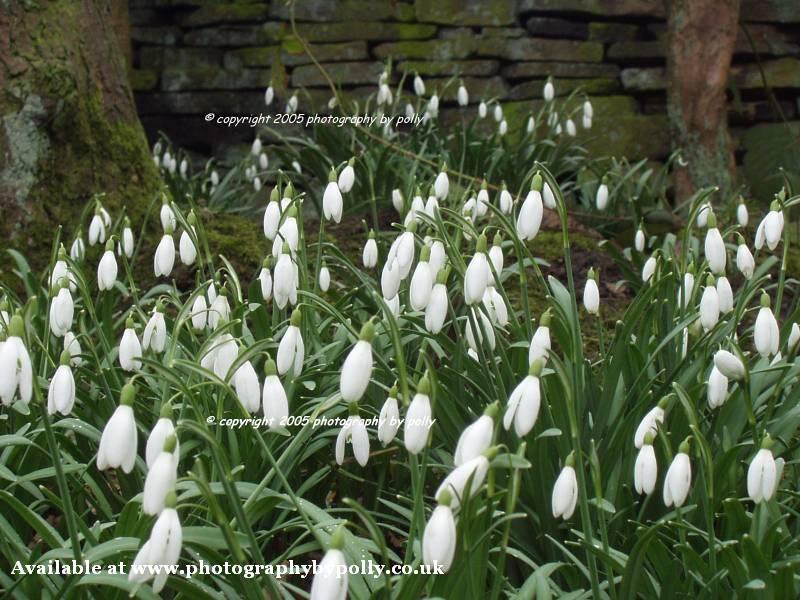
x: 68, y: 123
x: 701, y: 38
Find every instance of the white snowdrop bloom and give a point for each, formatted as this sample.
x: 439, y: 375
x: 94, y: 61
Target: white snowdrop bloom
x: 421, y: 282
x: 247, y: 386
x: 742, y: 216
x: 357, y: 367
x: 771, y: 228
x: 709, y: 306
x: 472, y: 472
x: 763, y: 474
x: 188, y: 251
x: 291, y: 349
x: 591, y: 294
x: 766, y: 333
x: 78, y: 249
x: 715, y: 252
x: 505, y: 201
x: 462, y: 95
x: 184, y: 168
x: 476, y: 438
x: 393, y: 304
x: 649, y: 424
x: 498, y: 112
x: 269, y: 95
x: 436, y: 309
x: 225, y: 352
x: 439, y: 537
x: 524, y: 402
x: 389, y: 419
x: 588, y: 109
x: 502, y: 129
x: 397, y: 201
x: 678, y: 479
x: 214, y: 179
x: 331, y: 579
x: 347, y: 177
x: 199, y: 313
x: 530, y: 215
x: 433, y: 107
x: 702, y: 215
x: 417, y: 208
x: 717, y: 388
x: 160, y: 478
x: 155, y: 332
x: 73, y: 346
x: 220, y: 310
x: 431, y: 206
x: 540, y: 342
x: 167, y: 215
x: 257, y: 183
x: 745, y: 261
x: 495, y: 306
x: 384, y: 94
x: 724, y: 294
x: 61, y: 393
x: 274, y: 401
x: 390, y: 279
x: 565, y: 491
x: 794, y: 337
x: 410, y: 112
x: 639, y: 240
x: 548, y: 196
x: 419, y: 86
x: 482, y: 201
x: 403, y: 249
x: 127, y: 239
x: 549, y: 91
x: 369, y: 257
x: 130, y: 349
x: 418, y: 422
x: 173, y: 164
x: 107, y: 269
x: 118, y: 441
x: 297, y: 168
x: 265, y: 281
x: 272, y: 217
x: 572, y: 131
x: 530, y: 126
x: 601, y: 199
x: 284, y: 281
x: 292, y: 104
x: 163, y: 548
x: 496, y: 256
x: 586, y: 122
x: 438, y: 257
x: 62, y: 310
x: 16, y: 372
x: 688, y: 288
x: 324, y: 278
x: 288, y: 235
x: 255, y: 148
x: 476, y: 277
x: 355, y: 432
x: 97, y: 230
x: 729, y: 365
x: 649, y: 268
x: 482, y: 110
x: 164, y: 258
x: 485, y: 331
x: 263, y: 161
x: 163, y: 429
x: 645, y: 469
x: 441, y: 186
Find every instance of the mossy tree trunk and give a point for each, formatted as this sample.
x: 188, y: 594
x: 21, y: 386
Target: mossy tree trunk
x: 68, y: 123
x: 701, y: 38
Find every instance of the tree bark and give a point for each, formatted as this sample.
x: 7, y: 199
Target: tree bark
x: 701, y: 39
x: 68, y: 122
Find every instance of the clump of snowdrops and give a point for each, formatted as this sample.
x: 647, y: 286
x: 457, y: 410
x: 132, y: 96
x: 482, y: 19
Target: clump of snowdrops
x: 409, y: 406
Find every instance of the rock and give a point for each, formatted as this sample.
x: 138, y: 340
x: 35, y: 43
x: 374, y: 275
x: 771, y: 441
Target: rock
x: 653, y: 78
x: 212, y: 78
x: 631, y: 136
x: 557, y: 28
x: 612, y: 32
x: 526, y: 70
x: 442, y: 49
x: 541, y: 49
x: 162, y: 35
x: 478, y: 88
x: 780, y: 73
x: 364, y: 30
x: 636, y: 50
x: 234, y: 12
x: 345, y: 73
x: 143, y: 80
x: 291, y: 53
x: 153, y: 57
x: 466, y: 12
x: 605, y: 8
x: 261, y: 56
x: 236, y: 35
x: 450, y: 68
x: 535, y: 89
x: 782, y: 11
x: 342, y: 10
x: 503, y: 32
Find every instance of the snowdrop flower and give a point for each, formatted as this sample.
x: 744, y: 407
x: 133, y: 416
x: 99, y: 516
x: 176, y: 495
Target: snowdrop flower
x: 255, y: 149
x: 679, y: 477
x: 118, y: 442
x: 591, y: 294
x: 269, y: 95
x: 485, y: 327
x: 763, y: 475
x: 565, y: 490
x: 330, y: 580
x: 403, y: 249
x: 586, y: 122
x: 257, y: 183
x: 639, y: 240
x: 645, y: 469
x: 167, y: 215
x: 214, y: 178
x: 709, y: 305
x: 419, y: 86
x: 97, y: 229
x: 472, y: 473
x: 394, y: 305
x: 272, y: 215
x: 224, y: 352
x: 130, y: 350
x: 357, y: 367
x: 724, y: 294
x: 433, y: 106
x: 524, y: 402
x: 549, y: 91
x: 482, y: 204
x: 476, y: 277
x: 744, y: 259
x: 649, y: 268
x: 188, y: 251
x: 291, y: 350
x: 588, y: 109
x: 347, y: 177
x: 417, y: 208
x: 397, y: 201
x: 770, y: 230
x: 540, y: 342
x: 438, y: 257
x: 265, y: 279
x: 794, y: 337
x: 715, y: 252
x: 717, y: 391
x: 160, y: 478
x: 199, y: 313
x: 274, y: 401
x: 324, y: 278
x: 742, y: 217
x: 62, y: 309
x: 729, y: 365
x: 702, y: 215
x: 418, y: 421
x: 162, y: 548
x: 107, y: 268
x: 505, y: 201
x: 291, y: 105
x: 495, y: 306
x: 548, y: 196
x: 766, y: 334
x: 73, y: 346
x: 530, y: 214
x: 184, y: 168
x: 601, y: 200
x: 482, y: 110
x: 155, y: 332
x: 164, y: 258
x: 409, y: 112
x: 571, y: 129
x: 650, y: 423
x: 476, y: 438
x: 530, y: 126
x: 436, y: 308
x: 390, y: 279
x: 78, y: 249
x: 502, y: 129
x: 496, y: 256
x: 441, y: 186
x: 462, y: 95
x: 284, y: 284
x: 247, y: 386
x: 688, y: 286
x: 61, y: 393
x: 421, y: 282
x: 332, y: 204
x: 369, y: 257
x: 439, y: 537
x: 389, y: 419
x: 384, y: 94
x: 498, y: 112
x: 263, y: 161
x: 355, y: 432
x: 163, y: 429
x: 220, y: 310
x: 288, y: 236
x: 431, y: 205
x: 127, y: 239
